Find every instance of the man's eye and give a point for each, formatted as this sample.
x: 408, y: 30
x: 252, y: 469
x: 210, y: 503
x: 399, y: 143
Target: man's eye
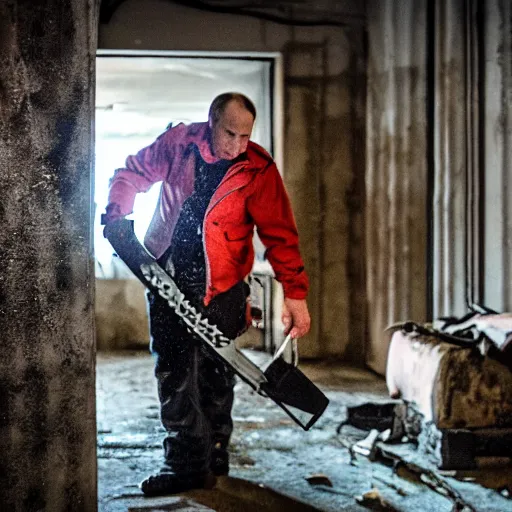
x: 231, y: 134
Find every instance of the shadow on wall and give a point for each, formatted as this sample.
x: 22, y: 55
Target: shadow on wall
x: 121, y: 317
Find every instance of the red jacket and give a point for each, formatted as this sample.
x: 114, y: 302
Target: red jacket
x: 250, y: 194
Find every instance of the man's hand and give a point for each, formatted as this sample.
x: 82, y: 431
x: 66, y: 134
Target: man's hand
x: 295, y: 317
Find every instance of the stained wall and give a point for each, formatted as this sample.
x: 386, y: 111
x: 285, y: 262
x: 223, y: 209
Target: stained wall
x: 323, y: 138
x: 497, y: 140
x: 438, y: 161
x: 47, y: 363
x: 396, y: 170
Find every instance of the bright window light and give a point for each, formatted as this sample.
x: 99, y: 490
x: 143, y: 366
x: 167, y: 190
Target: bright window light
x: 136, y: 99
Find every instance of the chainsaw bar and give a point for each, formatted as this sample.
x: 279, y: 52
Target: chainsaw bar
x: 281, y: 381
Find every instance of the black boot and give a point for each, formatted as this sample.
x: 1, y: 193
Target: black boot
x: 163, y: 484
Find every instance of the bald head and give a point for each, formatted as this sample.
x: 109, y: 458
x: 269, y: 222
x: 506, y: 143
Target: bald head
x: 231, y: 124
x: 221, y: 101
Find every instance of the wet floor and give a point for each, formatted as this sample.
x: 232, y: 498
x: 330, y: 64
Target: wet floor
x: 275, y: 465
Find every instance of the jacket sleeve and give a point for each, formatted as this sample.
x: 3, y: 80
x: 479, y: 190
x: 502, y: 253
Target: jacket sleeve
x: 149, y: 166
x: 270, y: 208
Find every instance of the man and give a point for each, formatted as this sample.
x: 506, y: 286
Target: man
x: 217, y: 185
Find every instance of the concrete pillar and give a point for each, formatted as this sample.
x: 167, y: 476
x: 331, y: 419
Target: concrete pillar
x: 47, y: 409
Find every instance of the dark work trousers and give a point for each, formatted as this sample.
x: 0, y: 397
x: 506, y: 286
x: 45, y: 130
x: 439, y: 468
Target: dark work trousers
x: 194, y: 387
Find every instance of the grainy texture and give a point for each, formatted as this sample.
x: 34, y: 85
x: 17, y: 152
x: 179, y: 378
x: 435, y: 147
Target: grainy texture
x: 451, y: 151
x: 268, y: 451
x: 47, y: 415
x: 323, y: 145
x: 396, y: 169
x: 320, y: 125
x: 498, y: 153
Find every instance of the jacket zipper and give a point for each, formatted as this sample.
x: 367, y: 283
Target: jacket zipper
x: 208, y: 211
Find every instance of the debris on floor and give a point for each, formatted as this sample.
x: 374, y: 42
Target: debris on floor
x: 374, y: 501
x: 402, y: 426
x: 275, y: 465
x: 319, y: 479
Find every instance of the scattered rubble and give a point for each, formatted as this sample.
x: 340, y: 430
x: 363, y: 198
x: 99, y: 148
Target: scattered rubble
x: 319, y: 479
x: 316, y: 469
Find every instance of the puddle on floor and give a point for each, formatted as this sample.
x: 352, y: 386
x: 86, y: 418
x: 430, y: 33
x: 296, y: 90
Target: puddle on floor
x: 229, y: 495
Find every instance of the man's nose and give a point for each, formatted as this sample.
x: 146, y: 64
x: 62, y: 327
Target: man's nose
x: 236, y: 146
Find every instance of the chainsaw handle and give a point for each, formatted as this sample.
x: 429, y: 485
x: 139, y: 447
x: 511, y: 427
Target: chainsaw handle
x: 282, y: 347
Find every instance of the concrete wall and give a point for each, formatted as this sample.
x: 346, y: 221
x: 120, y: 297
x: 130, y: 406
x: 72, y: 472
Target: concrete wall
x: 47, y: 408
x: 323, y: 140
x: 439, y: 126
x: 121, y: 318
x: 471, y: 156
x: 497, y: 140
x: 396, y: 169
x: 473, y: 217
x: 452, y: 151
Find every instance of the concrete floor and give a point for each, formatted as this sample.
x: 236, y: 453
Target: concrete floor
x: 272, y: 459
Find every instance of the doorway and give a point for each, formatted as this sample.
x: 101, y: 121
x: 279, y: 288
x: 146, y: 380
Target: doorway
x: 137, y: 96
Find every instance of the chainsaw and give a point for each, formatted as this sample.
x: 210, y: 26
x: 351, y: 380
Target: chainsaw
x: 280, y: 381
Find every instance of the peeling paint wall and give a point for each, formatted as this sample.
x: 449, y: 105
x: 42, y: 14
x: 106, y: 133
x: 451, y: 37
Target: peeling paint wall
x: 323, y: 141
x: 396, y: 169
x: 498, y: 154
x: 47, y: 408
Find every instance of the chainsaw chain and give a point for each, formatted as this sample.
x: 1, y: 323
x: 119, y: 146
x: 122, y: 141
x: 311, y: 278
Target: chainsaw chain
x: 168, y: 290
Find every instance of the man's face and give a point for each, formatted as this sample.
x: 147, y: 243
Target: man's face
x: 231, y: 133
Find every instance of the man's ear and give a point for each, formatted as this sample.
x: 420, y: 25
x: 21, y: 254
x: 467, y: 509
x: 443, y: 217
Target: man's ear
x: 210, y: 123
